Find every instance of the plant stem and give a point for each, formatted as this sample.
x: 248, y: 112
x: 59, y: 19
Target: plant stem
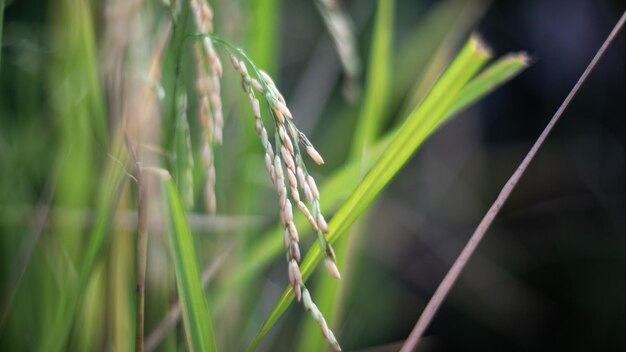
x: 142, y: 245
x: 453, y: 274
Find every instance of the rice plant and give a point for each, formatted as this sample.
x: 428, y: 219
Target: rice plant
x: 157, y: 165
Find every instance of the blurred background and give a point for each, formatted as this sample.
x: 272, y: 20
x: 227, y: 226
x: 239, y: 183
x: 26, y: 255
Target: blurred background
x: 550, y: 274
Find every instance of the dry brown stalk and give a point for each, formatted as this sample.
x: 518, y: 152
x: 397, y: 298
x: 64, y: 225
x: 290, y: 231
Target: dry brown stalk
x: 142, y: 243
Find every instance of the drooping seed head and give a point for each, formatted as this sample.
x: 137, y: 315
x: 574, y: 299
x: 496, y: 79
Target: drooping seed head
x: 332, y: 268
x: 303, y: 208
x: 218, y: 116
x: 286, y: 239
x: 273, y: 175
x: 314, y: 155
x: 279, y: 115
x: 268, y: 80
x: 265, y: 141
x: 293, y: 182
x: 307, y: 302
x: 287, y: 213
x: 330, y: 252
x: 324, y: 327
x: 207, y: 154
x: 283, y: 109
x: 269, y: 166
x: 295, y: 194
x: 216, y: 101
x: 333, y: 340
x: 294, y: 272
x: 294, y: 132
x: 278, y: 168
x: 295, y: 277
x: 282, y: 133
x: 206, y: 13
x: 321, y: 223
x: 312, y: 222
x: 234, y: 62
x: 258, y: 126
x: 307, y: 192
x: 287, y: 143
x: 307, y: 214
x: 295, y: 251
x: 211, y: 174
x: 313, y: 185
x: 287, y: 158
x: 215, y: 82
x: 256, y: 108
x: 200, y: 85
x: 243, y: 70
x: 293, y: 232
x: 282, y: 193
x: 205, y: 113
x: 257, y: 86
x: 279, y: 96
x: 215, y: 63
x: 300, y: 175
x: 298, y: 292
x: 211, y: 201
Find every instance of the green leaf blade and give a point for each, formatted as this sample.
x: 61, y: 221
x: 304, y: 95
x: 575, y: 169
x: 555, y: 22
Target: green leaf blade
x: 501, y: 71
x: 196, y: 316
x: 378, y: 79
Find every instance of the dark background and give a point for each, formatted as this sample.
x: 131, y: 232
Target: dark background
x: 551, y: 272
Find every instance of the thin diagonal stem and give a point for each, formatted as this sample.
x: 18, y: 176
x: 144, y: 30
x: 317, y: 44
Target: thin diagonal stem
x: 453, y: 274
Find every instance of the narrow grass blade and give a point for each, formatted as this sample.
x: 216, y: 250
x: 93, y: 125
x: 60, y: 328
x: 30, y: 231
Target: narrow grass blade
x: 196, y: 316
x: 421, y: 122
x: 378, y: 75
x: 503, y: 70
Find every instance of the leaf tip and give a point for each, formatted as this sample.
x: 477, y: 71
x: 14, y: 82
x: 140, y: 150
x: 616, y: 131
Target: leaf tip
x: 480, y: 45
x: 524, y: 58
